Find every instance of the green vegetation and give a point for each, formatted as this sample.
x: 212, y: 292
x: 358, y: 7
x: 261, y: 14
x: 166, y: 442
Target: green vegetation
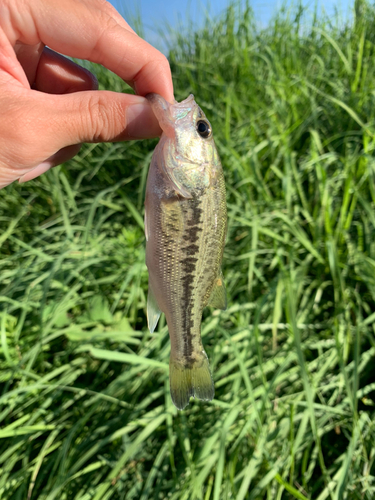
x: 85, y: 410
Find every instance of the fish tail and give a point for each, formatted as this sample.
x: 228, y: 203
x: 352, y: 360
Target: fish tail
x: 191, y: 379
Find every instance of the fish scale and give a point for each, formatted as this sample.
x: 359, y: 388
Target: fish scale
x: 185, y: 223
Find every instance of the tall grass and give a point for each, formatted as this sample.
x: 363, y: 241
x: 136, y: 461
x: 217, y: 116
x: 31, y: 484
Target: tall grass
x: 85, y: 409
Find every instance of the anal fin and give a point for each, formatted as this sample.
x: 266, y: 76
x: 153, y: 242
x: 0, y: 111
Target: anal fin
x: 218, y: 297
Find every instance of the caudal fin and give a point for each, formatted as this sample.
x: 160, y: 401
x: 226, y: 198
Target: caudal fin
x: 193, y: 380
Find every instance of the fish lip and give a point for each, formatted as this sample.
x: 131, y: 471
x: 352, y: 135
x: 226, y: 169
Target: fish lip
x: 153, y: 97
x: 182, y: 110
x: 162, y: 111
x: 189, y: 98
x: 174, y: 111
x: 158, y: 100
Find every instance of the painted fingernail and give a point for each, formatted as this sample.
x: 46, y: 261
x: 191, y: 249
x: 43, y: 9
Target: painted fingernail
x: 36, y: 171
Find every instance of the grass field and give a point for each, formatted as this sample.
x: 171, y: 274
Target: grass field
x: 85, y: 410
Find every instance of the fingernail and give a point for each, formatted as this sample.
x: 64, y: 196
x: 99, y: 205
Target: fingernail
x: 141, y: 122
x: 36, y: 171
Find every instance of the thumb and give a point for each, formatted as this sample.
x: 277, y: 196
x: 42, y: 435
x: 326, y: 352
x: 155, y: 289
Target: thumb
x: 40, y: 130
x: 95, y: 116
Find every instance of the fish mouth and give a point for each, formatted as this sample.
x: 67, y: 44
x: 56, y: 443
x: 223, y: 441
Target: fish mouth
x: 186, y: 102
x: 158, y: 100
x: 181, y: 110
x: 168, y: 113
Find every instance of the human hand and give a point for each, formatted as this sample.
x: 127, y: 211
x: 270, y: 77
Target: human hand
x: 49, y: 105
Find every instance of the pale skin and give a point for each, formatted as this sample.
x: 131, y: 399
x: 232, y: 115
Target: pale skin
x: 50, y: 105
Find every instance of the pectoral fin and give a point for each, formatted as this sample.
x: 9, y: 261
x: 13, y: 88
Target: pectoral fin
x: 147, y: 229
x: 218, y: 297
x: 145, y: 222
x: 173, y: 181
x: 153, y: 311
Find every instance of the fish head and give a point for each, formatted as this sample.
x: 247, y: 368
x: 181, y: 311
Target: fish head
x: 187, y: 142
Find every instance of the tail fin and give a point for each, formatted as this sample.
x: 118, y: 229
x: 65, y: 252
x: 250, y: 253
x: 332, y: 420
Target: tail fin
x: 190, y: 380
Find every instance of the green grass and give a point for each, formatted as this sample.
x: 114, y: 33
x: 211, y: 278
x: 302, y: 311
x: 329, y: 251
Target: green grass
x: 85, y: 409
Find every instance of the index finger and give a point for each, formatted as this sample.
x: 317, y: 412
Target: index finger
x: 88, y: 29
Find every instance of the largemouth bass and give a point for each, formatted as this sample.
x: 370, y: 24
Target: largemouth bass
x: 185, y: 225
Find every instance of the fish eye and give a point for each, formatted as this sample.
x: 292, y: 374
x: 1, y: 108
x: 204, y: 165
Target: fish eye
x: 203, y: 129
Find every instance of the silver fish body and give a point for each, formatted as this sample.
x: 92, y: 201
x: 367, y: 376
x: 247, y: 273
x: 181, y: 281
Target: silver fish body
x: 185, y: 224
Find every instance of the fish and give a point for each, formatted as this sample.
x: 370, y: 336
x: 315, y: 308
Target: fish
x: 185, y: 228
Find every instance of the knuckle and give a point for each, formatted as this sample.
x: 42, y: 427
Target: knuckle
x: 104, y: 118
x: 161, y: 64
x: 163, y: 61
x: 15, y: 135
x: 105, y: 24
x: 159, y: 61
x: 102, y: 5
